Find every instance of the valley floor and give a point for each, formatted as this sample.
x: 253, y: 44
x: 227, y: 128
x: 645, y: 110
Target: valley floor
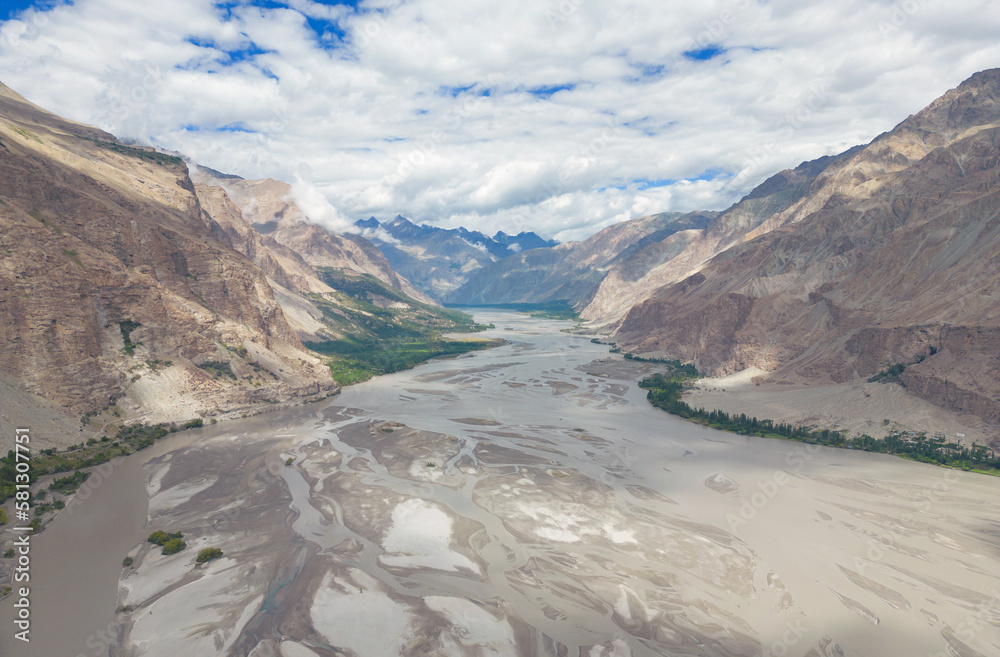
x: 525, y: 500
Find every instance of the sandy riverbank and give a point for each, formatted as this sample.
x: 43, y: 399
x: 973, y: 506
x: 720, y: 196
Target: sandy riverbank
x: 853, y: 407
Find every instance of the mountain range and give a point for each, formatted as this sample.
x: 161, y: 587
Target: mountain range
x: 884, y: 256
x: 440, y: 260
x: 138, y: 286
x: 135, y: 287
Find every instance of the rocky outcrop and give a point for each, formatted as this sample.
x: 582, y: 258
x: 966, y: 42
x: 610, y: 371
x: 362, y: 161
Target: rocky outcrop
x: 99, y: 241
x: 854, y: 263
x: 267, y: 209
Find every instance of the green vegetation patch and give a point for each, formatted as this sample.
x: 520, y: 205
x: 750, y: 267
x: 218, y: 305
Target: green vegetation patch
x: 160, y: 537
x: 208, y: 554
x: 665, y: 392
x: 129, y: 439
x: 68, y: 485
x: 126, y: 326
x: 150, y: 156
x: 383, y: 330
x: 354, y: 362
x: 173, y: 546
x: 72, y: 255
x: 24, y: 132
x: 894, y: 373
x: 218, y: 368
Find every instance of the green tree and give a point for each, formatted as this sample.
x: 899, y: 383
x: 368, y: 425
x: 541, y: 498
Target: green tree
x: 173, y: 546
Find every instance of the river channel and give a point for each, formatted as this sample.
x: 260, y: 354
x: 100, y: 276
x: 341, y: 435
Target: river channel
x: 527, y: 500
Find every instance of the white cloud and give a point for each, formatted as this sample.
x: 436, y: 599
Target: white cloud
x: 317, y: 207
x: 558, y: 117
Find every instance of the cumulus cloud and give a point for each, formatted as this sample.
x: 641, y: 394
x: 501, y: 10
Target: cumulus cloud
x: 317, y: 207
x: 558, y: 117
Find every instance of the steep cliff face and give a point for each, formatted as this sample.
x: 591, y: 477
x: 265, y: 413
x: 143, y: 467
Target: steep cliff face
x: 855, y: 263
x: 269, y: 209
x: 575, y: 272
x: 108, y: 272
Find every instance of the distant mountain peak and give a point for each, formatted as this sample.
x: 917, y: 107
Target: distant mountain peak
x: 440, y: 259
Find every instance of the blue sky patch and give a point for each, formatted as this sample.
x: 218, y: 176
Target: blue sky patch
x: 247, y: 53
x: 549, y: 91
x: 704, y: 54
x: 11, y: 8
x: 454, y: 92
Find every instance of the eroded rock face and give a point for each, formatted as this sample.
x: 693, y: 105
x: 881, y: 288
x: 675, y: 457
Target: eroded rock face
x: 270, y: 212
x: 850, y: 264
x: 94, y: 233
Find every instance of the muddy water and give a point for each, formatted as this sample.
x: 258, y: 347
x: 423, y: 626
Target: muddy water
x: 528, y: 501
x: 76, y: 563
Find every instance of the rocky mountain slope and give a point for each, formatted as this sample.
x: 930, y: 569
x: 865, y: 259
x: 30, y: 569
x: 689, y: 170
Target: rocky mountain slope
x: 132, y: 290
x: 885, y: 255
x: 575, y: 271
x: 115, y: 291
x: 439, y: 260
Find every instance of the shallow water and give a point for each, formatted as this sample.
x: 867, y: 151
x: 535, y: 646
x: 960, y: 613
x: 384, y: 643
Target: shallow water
x: 527, y: 500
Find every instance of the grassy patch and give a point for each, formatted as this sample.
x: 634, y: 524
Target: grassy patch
x: 24, y: 132
x: 354, y: 362
x: 72, y: 255
x: 150, y: 156
x: 129, y: 439
x: 383, y: 330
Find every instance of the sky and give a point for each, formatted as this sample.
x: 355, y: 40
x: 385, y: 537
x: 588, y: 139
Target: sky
x: 557, y: 116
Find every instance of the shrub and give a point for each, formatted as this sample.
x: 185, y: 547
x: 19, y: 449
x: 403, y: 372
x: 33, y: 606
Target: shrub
x: 208, y: 554
x: 160, y: 537
x: 127, y: 561
x: 3, y: 517
x: 173, y: 546
x: 9, y: 554
x: 69, y: 484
